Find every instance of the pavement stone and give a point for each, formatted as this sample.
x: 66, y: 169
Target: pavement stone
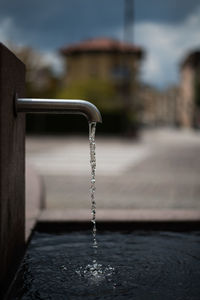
x: 160, y: 171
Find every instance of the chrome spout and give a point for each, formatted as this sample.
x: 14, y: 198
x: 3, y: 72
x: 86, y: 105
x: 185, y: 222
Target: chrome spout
x: 58, y: 106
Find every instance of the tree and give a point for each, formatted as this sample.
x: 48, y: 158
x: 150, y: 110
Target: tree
x: 102, y: 93
x: 40, y: 79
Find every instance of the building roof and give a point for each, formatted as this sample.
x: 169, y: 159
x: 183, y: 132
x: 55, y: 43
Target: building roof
x: 101, y: 45
x: 192, y: 59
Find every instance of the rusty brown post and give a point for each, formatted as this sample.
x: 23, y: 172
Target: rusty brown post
x: 12, y: 168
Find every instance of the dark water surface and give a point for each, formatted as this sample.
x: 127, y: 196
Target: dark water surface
x: 139, y: 265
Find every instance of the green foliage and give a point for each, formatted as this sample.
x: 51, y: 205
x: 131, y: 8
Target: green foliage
x: 40, y: 79
x: 102, y: 93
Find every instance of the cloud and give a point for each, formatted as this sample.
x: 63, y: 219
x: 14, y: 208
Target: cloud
x: 166, y: 45
x: 6, y: 30
x: 10, y: 35
x: 52, y: 59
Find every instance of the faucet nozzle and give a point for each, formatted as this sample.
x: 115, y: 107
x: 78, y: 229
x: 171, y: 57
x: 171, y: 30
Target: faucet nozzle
x: 64, y: 106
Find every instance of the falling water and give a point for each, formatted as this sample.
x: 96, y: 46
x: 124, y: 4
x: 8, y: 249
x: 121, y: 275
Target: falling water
x: 94, y: 271
x: 92, y: 130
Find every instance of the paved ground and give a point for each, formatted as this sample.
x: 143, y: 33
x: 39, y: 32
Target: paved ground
x: 161, y: 171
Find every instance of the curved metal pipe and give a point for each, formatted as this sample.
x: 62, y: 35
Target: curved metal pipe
x: 57, y: 106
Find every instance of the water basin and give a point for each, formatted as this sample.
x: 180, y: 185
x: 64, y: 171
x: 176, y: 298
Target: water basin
x: 127, y: 265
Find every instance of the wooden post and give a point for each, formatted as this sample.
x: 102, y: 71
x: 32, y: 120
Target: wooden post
x: 12, y: 168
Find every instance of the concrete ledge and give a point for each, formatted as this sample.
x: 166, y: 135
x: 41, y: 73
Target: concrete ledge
x: 119, y: 220
x: 34, y: 199
x: 120, y: 215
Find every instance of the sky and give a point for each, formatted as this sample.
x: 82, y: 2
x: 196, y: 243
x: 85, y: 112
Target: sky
x: 167, y: 30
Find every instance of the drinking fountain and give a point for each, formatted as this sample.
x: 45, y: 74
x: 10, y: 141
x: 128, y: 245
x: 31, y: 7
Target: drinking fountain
x: 146, y: 263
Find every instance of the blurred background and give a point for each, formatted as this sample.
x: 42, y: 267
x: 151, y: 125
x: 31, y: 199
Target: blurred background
x: 139, y: 62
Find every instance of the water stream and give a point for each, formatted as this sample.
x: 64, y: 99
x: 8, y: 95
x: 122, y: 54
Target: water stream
x: 92, y: 131
x: 94, y: 271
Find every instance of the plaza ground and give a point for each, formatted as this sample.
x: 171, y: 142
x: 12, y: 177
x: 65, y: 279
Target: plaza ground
x: 159, y: 171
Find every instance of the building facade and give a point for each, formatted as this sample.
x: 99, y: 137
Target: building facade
x: 102, y: 58
x: 189, y: 101
x: 158, y: 108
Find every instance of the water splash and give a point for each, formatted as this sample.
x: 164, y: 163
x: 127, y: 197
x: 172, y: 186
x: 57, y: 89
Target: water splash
x: 96, y: 273
x: 92, y: 130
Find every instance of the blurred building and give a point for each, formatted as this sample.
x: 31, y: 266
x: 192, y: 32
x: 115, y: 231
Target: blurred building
x: 158, y: 108
x: 110, y: 63
x: 102, y: 58
x: 189, y: 103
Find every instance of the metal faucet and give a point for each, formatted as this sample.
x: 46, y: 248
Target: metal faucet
x: 63, y: 106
